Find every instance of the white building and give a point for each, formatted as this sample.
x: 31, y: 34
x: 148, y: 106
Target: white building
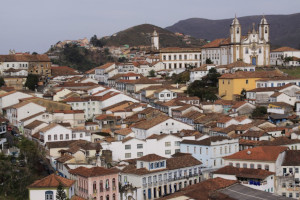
x: 254, y: 48
x: 258, y: 179
x: 263, y: 157
x: 102, y: 73
x: 11, y: 98
x: 200, y: 72
x: 158, y: 125
x: 277, y: 56
x: 154, y: 176
x: 210, y: 151
x: 46, y: 188
x: 130, y: 148
x: 55, y: 132
x: 17, y: 112
x: 180, y: 58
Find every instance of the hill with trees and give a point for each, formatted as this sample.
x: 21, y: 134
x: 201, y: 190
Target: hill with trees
x: 284, y: 29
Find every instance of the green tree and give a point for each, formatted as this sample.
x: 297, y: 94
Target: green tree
x: 259, y: 111
x: 96, y: 42
x: 243, y: 94
x: 34, y: 53
x: 152, y: 73
x: 60, y: 193
x: 208, y: 61
x: 200, y: 89
x: 212, y: 77
x: 181, y: 78
x: 2, y: 82
x: 32, y: 81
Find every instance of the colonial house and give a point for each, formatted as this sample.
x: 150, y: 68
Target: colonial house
x: 97, y: 183
x: 158, y: 125
x: 278, y: 56
x: 262, y: 157
x: 210, y: 151
x: 258, y: 179
x: 11, y: 98
x: 46, y: 188
x: 154, y: 176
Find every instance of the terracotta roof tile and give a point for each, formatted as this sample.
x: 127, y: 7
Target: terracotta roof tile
x: 151, y: 122
x: 52, y: 181
x: 292, y: 158
x: 244, y: 172
x: 205, y: 142
x: 284, y: 49
x: 151, y: 157
x: 24, y: 58
x: 93, y: 172
x: 34, y: 124
x: 262, y: 153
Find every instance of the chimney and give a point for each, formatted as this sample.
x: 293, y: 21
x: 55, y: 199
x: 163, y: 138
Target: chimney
x: 98, y: 161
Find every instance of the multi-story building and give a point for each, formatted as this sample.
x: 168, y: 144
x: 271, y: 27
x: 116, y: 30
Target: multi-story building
x: 17, y: 112
x: 176, y: 58
x: 97, y: 183
x: 154, y: 176
x: 74, y: 117
x: 254, y: 48
x: 158, y: 125
x: 231, y: 85
x: 131, y: 148
x: 55, y: 132
x: 288, y: 179
x: 210, y: 151
x: 262, y: 157
x: 278, y: 56
x: 104, y: 72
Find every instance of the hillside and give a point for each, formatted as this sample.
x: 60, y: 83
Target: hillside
x: 141, y: 35
x: 284, y: 29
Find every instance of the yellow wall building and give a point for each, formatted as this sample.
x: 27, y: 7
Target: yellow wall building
x: 231, y: 85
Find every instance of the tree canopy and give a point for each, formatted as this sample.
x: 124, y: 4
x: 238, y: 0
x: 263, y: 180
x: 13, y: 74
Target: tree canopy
x: 32, y: 81
x: 259, y: 111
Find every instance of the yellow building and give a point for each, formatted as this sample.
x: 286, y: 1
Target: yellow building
x: 231, y: 85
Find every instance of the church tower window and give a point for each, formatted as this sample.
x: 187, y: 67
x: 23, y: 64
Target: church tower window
x: 237, y: 30
x: 266, y: 30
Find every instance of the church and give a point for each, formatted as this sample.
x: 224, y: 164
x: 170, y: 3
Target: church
x: 254, y: 48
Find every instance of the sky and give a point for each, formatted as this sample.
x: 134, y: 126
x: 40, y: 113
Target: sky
x: 34, y: 25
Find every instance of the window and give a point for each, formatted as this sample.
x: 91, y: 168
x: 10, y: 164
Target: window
x: 245, y: 165
x: 259, y: 166
x: 168, y: 152
x: 55, y: 137
x: 49, y: 137
x: 139, y: 154
x: 61, y: 136
x: 230, y: 164
x: 237, y: 30
x: 252, y: 166
x: 194, y: 149
x: 200, y: 150
x: 247, y: 81
x: 162, y: 163
x: 177, y: 143
x: 187, y: 149
x: 284, y: 194
x: 167, y: 144
x: 150, y: 179
x: 127, y: 155
x: 128, y: 146
x: 246, y: 50
x: 237, y: 165
x: 221, y: 150
x: 206, y: 151
x: 81, y: 135
x: 296, y: 170
x: 49, y: 195
x: 162, y: 95
x: 267, y: 167
x: 73, y: 135
x: 290, y: 195
x: 139, y: 146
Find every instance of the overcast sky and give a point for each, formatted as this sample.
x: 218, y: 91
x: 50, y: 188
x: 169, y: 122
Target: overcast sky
x: 33, y: 25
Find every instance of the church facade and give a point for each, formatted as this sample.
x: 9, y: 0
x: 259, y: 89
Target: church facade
x: 254, y: 48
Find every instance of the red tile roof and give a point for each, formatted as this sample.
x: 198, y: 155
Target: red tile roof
x: 281, y: 49
x: 244, y: 172
x: 151, y: 157
x: 262, y: 153
x: 52, y: 181
x: 24, y: 58
x: 93, y: 172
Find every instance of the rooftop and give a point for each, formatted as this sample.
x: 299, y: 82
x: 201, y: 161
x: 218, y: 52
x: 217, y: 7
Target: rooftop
x: 52, y: 181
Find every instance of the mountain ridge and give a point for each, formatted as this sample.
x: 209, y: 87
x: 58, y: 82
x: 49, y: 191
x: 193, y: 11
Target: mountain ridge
x: 284, y: 29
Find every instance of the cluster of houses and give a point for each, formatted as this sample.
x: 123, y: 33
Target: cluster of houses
x: 115, y: 132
